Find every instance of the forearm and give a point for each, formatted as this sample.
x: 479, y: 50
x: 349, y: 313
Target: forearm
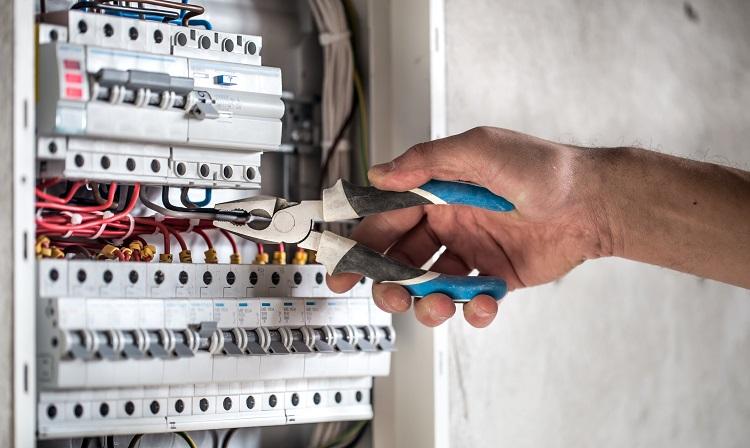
x: 681, y: 214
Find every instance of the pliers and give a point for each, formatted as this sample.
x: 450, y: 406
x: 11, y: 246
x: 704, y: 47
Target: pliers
x: 279, y: 221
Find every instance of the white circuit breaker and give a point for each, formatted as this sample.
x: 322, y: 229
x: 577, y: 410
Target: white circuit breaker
x: 157, y: 347
x: 140, y: 101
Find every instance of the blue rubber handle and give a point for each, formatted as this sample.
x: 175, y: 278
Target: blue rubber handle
x: 459, y: 288
x: 461, y: 193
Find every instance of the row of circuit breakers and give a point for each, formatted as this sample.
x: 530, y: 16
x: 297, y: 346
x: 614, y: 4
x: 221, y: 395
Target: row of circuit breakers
x: 134, y: 347
x: 143, y: 101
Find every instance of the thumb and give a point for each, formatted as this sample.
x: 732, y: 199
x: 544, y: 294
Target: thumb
x: 458, y: 157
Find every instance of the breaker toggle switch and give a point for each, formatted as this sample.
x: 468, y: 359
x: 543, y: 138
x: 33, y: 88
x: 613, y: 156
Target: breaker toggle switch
x: 185, y: 343
x: 386, y: 337
x: 106, y: 344
x: 206, y: 329
x: 132, y: 343
x: 302, y: 340
x: 203, y: 109
x: 279, y: 341
x: 157, y: 343
x: 344, y: 339
x: 365, y: 338
x: 322, y: 339
x: 78, y: 344
x: 233, y: 341
x: 256, y: 341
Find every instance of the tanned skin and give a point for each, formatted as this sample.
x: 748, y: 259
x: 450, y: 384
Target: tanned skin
x: 572, y: 204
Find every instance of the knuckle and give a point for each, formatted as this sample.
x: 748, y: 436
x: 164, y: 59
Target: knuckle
x: 481, y: 132
x: 422, y: 150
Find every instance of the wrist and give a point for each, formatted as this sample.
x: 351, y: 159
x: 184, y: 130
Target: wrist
x: 606, y: 176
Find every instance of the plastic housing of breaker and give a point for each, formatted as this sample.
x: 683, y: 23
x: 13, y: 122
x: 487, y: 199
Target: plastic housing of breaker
x: 152, y: 164
x: 156, y: 37
x: 83, y: 137
x: 202, y: 406
x: 68, y: 303
x: 74, y: 295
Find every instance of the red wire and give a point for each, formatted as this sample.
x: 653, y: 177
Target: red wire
x: 73, y: 190
x: 205, y: 237
x: 140, y: 240
x: 281, y: 247
x: 50, y: 182
x: 260, y: 248
x: 77, y: 208
x: 179, y: 239
x: 231, y: 239
x: 162, y: 228
x: 97, y: 223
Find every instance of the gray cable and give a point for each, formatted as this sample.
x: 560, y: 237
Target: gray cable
x: 190, y: 215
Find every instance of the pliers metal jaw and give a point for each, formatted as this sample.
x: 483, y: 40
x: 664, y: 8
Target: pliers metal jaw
x: 294, y: 222
x: 286, y: 222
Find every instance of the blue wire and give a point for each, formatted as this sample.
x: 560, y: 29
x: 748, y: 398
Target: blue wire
x: 133, y: 15
x: 201, y: 22
x: 206, y: 200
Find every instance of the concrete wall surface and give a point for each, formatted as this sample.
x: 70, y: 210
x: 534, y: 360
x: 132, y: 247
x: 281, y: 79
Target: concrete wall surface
x: 616, y: 354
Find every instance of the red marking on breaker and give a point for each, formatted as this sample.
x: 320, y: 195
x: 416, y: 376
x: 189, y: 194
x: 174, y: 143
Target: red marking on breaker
x: 73, y: 78
x: 72, y: 64
x: 74, y: 93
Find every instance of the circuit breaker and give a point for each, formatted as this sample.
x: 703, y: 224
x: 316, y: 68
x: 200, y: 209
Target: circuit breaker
x: 134, y: 336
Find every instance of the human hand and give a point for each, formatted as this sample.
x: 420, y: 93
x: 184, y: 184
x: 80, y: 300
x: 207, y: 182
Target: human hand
x: 558, y: 223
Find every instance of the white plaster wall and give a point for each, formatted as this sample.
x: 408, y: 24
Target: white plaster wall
x: 615, y: 354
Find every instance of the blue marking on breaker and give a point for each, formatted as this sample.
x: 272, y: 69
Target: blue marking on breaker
x: 225, y: 80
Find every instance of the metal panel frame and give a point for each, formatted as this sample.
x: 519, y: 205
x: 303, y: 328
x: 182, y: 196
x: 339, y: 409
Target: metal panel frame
x: 22, y: 289
x: 407, y: 91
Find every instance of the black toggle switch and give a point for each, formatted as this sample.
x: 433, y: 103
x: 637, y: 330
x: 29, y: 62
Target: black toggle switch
x: 181, y: 348
x: 230, y: 344
x: 277, y: 347
x: 343, y: 343
x: 206, y: 329
x: 130, y: 348
x: 253, y: 343
x: 155, y: 348
x: 320, y: 342
x: 104, y: 346
x: 385, y: 339
x: 77, y: 346
x: 364, y: 339
x: 298, y: 342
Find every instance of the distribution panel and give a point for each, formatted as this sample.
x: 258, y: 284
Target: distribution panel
x: 133, y: 336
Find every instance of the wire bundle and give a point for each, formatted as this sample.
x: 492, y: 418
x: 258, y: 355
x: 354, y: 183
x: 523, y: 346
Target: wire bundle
x: 115, y: 235
x: 166, y: 11
x: 338, y: 75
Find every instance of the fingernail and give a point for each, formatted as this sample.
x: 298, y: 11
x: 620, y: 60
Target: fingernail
x: 382, y: 169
